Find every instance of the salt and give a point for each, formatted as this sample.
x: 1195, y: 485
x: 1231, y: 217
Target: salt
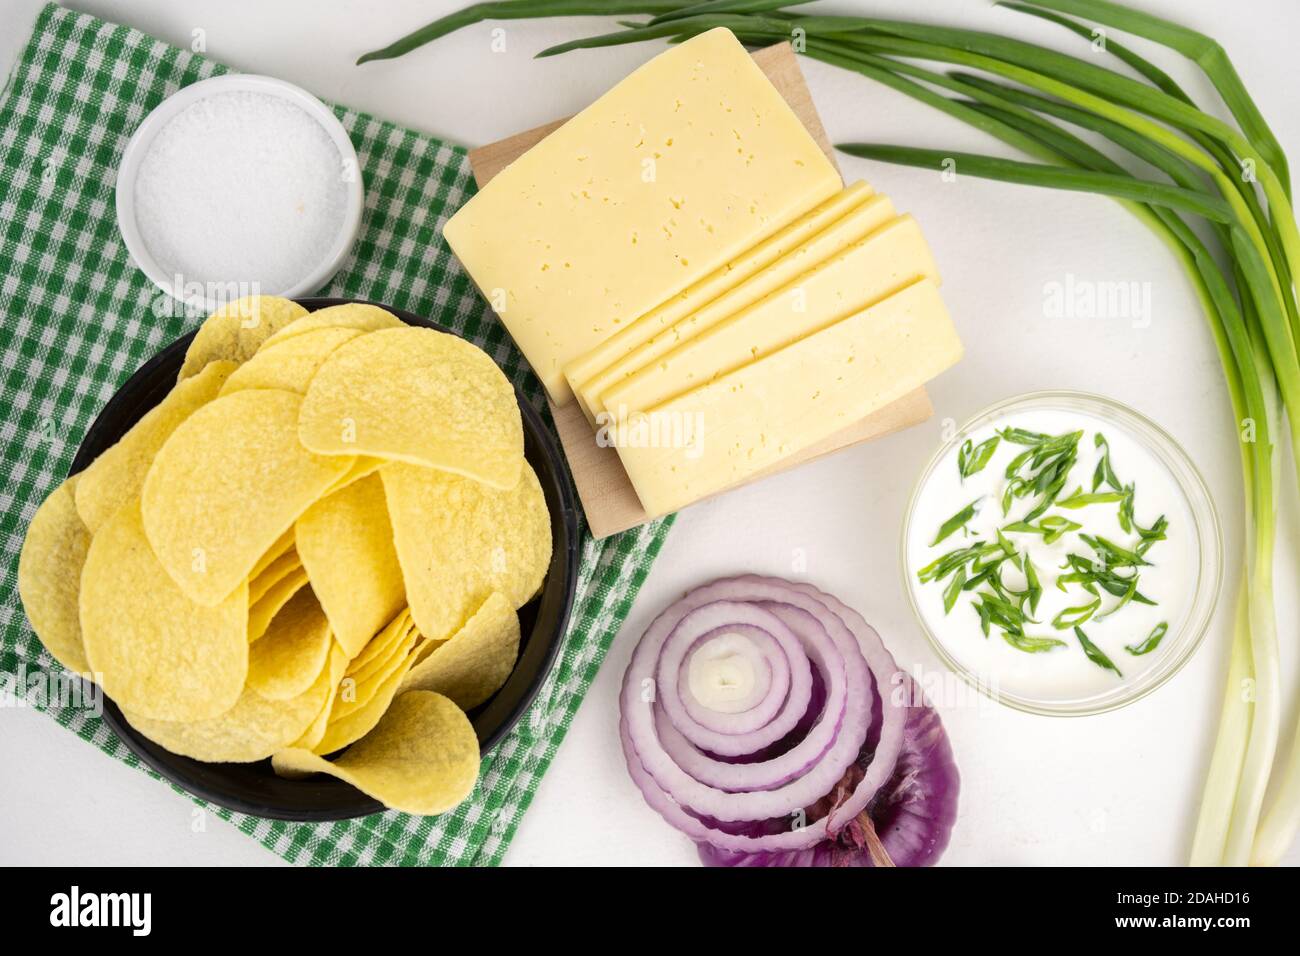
x: 241, y: 187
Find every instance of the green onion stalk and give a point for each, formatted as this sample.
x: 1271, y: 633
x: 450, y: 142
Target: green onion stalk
x: 1233, y: 181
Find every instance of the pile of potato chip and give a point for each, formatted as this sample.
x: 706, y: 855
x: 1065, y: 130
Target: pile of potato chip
x: 318, y: 540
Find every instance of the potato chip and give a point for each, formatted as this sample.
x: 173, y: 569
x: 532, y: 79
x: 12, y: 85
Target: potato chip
x: 460, y: 540
x: 351, y: 315
x: 225, y: 487
x: 360, y: 686
x: 251, y: 730
x: 236, y: 330
x: 289, y: 365
x: 116, y: 476
x: 269, y: 604
x: 363, y: 466
x: 422, y: 757
x: 348, y: 724
x: 417, y: 396
x: 155, y: 651
x: 426, y: 647
x: 338, y: 662
x: 49, y: 575
x: 382, y: 642
x: 274, y: 552
x: 346, y: 544
x: 275, y: 572
x: 471, y: 666
x: 289, y: 657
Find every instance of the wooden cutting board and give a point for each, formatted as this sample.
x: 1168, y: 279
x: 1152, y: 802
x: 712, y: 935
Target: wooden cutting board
x: 607, y: 496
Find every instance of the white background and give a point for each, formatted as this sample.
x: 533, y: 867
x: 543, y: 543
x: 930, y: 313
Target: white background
x: 1116, y: 789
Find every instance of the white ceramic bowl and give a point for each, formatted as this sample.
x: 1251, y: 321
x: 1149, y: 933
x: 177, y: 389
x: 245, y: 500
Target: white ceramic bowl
x: 138, y: 147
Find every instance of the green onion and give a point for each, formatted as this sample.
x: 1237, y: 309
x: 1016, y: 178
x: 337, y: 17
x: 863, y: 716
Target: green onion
x: 1124, y: 600
x: 1081, y: 499
x: 1041, y: 469
x: 1104, y: 473
x: 971, y: 460
x: 1126, y: 512
x: 957, y: 521
x: 1091, y: 576
x: 1051, y: 528
x: 945, y: 564
x: 1021, y: 436
x: 1033, y: 590
x: 1038, y: 174
x: 1207, y: 54
x: 723, y: 6
x: 1095, y: 653
x: 1074, y: 616
x: 1111, y: 554
x: 1150, y: 642
x: 1031, y: 645
x: 513, y: 10
x: 953, y: 590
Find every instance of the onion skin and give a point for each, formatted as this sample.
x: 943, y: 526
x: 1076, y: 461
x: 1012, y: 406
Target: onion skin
x: 893, y: 802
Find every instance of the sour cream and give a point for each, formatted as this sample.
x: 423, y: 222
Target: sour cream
x: 1065, y: 673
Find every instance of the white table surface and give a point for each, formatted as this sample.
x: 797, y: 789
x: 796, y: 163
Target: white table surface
x: 1116, y: 789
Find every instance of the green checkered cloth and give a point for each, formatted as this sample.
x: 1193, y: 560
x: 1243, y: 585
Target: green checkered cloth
x: 78, y: 318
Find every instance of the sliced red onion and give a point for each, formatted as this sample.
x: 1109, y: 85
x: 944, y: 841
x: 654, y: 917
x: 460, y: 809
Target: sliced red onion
x: 893, y: 717
x: 762, y: 805
x: 731, y: 671
x: 734, y: 735
x: 795, y: 762
x: 907, y: 823
x: 845, y: 725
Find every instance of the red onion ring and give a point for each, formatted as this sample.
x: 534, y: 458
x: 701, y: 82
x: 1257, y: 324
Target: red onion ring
x: 756, y: 646
x: 663, y: 762
x: 894, y: 716
x: 732, y: 735
x: 767, y: 774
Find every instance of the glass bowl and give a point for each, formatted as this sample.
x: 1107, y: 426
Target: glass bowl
x: 1178, y: 646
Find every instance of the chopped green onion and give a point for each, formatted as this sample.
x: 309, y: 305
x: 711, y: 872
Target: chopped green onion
x: 970, y: 460
x: 953, y: 590
x: 957, y: 521
x: 1150, y: 642
x: 1034, y: 590
x: 1095, y: 653
x: 1031, y: 645
x: 1074, y: 616
x: 1104, y: 473
x: 1051, y: 527
x: 1081, y: 499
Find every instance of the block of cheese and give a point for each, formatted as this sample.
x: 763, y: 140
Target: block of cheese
x: 591, y: 370
x: 681, y: 167
x: 856, y: 223
x: 883, y: 262
x: 718, y: 435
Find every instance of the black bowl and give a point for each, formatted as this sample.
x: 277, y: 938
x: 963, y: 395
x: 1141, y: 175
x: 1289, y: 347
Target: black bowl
x: 254, y: 788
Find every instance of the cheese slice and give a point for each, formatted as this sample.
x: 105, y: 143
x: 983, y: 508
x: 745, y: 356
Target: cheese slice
x: 885, y: 261
x: 720, y: 434
x: 592, y: 368
x: 680, y: 168
x: 838, y: 236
